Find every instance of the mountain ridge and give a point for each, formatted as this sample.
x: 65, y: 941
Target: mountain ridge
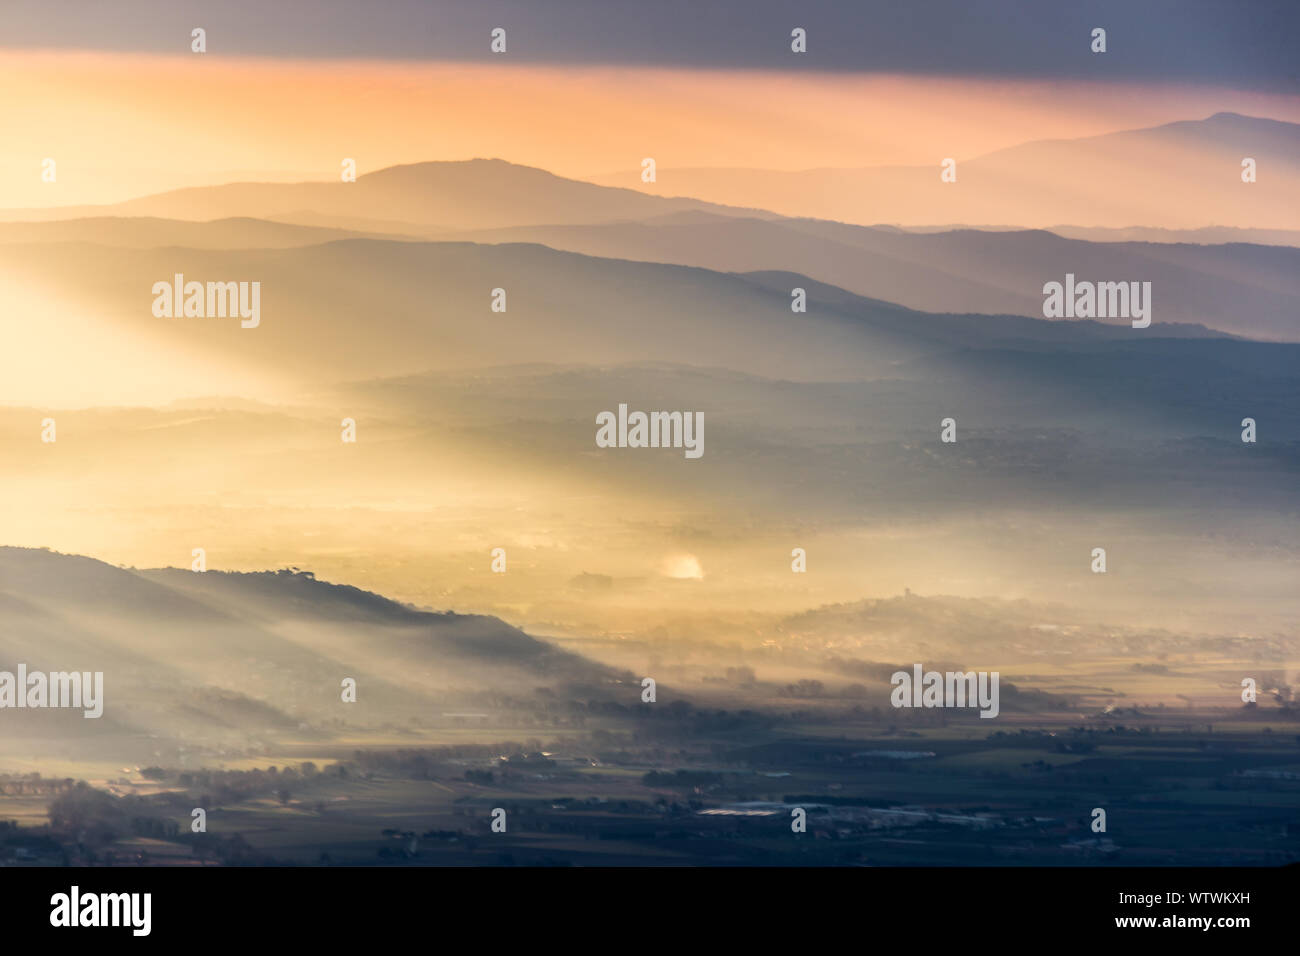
x: 502, y: 195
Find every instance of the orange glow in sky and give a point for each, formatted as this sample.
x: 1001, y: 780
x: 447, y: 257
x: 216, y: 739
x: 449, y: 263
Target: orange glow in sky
x: 120, y: 126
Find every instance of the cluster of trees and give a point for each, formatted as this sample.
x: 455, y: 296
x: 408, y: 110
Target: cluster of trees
x: 34, y: 785
x: 220, y: 787
x: 233, y: 849
x: 86, y: 815
x: 806, y: 688
x: 157, y: 828
x: 428, y: 763
x: 91, y: 819
x: 682, y: 779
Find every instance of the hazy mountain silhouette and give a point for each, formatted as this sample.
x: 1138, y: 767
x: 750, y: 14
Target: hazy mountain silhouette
x: 1243, y: 289
x: 223, y: 659
x: 1185, y: 174
x: 1206, y: 235
x: 477, y: 193
x: 145, y: 232
x: 365, y: 308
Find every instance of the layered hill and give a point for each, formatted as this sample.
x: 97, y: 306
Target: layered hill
x: 216, y: 660
x: 477, y: 193
x: 1185, y: 174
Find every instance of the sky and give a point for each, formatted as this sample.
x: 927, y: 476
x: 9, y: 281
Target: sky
x: 110, y: 91
x: 586, y: 89
x: 1244, y: 44
x: 124, y: 125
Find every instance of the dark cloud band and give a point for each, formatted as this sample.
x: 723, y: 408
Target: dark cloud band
x: 1247, y: 44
